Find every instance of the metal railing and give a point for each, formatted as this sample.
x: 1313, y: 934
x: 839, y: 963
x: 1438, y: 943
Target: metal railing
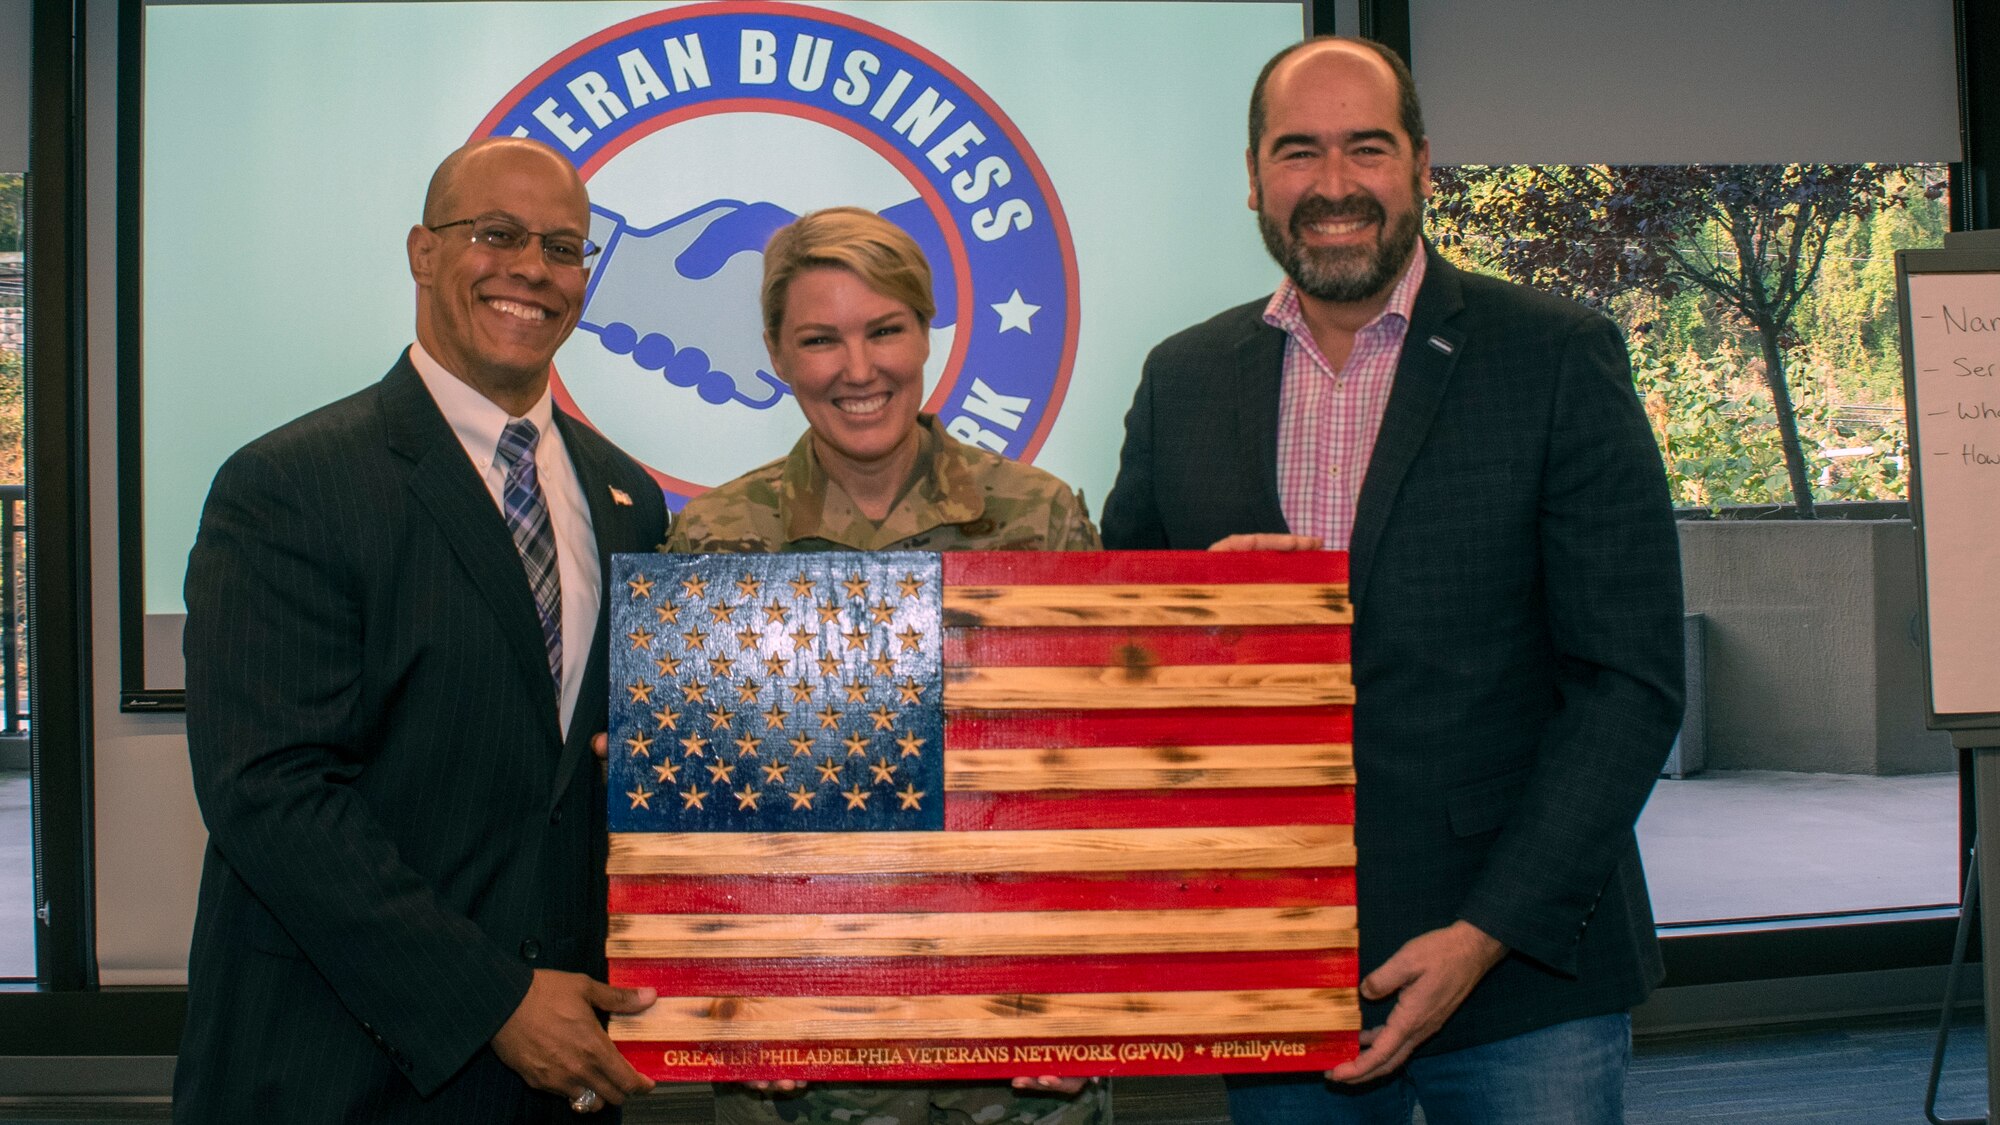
x: 13, y: 611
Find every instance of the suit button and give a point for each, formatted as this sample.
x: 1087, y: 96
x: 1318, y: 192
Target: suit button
x: 530, y: 949
x: 555, y: 817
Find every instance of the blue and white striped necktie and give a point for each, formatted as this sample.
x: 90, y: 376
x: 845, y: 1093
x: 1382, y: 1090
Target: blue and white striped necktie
x: 528, y: 519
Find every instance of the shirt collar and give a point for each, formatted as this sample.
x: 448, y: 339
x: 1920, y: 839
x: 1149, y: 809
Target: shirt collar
x: 942, y: 490
x: 1283, y: 310
x: 476, y: 419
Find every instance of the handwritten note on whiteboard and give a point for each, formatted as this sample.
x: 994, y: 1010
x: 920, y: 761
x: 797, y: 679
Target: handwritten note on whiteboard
x: 1954, y: 356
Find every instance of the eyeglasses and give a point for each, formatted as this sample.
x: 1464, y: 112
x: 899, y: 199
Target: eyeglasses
x: 565, y: 251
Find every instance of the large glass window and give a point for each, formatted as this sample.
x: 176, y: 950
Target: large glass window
x: 17, y: 932
x: 1759, y: 306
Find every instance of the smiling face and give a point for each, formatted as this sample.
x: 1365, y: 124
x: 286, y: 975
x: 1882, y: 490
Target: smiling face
x: 854, y: 358
x: 495, y: 318
x: 1334, y: 179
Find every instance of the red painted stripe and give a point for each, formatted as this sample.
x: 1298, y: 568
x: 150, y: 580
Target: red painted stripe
x: 1120, y: 648
x: 1179, y: 568
x: 1195, y: 726
x: 921, y: 976
x: 859, y: 894
x: 1192, y: 808
x: 891, y: 1060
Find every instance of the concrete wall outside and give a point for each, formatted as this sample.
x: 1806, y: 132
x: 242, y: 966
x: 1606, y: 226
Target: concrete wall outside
x: 1814, y: 663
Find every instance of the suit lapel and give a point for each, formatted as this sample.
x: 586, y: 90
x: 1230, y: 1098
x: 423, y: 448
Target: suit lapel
x: 610, y: 525
x: 1260, y: 372
x: 446, y: 486
x: 1430, y: 353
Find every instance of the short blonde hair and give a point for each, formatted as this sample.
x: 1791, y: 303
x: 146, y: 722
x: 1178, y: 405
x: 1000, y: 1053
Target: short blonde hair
x: 850, y: 238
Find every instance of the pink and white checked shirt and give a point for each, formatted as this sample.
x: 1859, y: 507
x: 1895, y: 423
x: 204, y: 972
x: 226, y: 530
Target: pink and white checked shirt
x: 1327, y: 419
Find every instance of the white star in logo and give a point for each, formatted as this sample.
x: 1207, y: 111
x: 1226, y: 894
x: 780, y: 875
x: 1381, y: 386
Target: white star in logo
x: 1014, y: 313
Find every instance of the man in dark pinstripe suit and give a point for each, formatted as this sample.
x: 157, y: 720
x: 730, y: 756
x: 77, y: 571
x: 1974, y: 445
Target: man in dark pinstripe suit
x: 402, y: 907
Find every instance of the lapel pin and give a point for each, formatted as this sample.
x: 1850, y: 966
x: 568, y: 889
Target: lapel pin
x: 1441, y: 344
x: 619, y: 498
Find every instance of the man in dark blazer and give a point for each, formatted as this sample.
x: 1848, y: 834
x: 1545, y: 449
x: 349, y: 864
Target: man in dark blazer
x: 402, y: 905
x: 1515, y: 576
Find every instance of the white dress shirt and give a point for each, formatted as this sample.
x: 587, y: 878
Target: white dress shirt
x: 477, y: 421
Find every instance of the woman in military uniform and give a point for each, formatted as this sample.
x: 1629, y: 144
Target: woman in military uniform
x: 847, y: 308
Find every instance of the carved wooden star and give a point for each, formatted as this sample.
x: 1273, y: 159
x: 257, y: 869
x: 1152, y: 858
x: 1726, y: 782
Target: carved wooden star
x: 828, y: 771
x: 856, y: 640
x: 642, y: 587
x: 774, y: 614
x: 692, y: 797
x: 668, y: 719
x: 801, y: 586
x: 829, y: 665
x: 911, y: 585
x: 640, y: 795
x: 668, y: 665
x: 828, y: 614
x: 746, y: 691
x: 802, y: 638
x: 694, y: 587
x: 883, y: 717
x: 747, y: 638
x: 667, y: 772
x: 910, y: 795
x: 774, y: 664
x: 748, y: 585
x: 857, y: 587
x: 746, y: 746
x: 911, y: 639
x: 882, y: 612
x: 802, y: 691
x: 721, y: 772
x: 693, y: 745
x: 774, y: 719
x: 641, y: 693
x: 694, y: 693
x: 883, y: 664
x: 721, y: 613
x: 667, y: 613
x: 802, y: 745
x: 774, y: 773
x: 802, y: 798
x: 884, y: 771
x: 857, y: 797
x: 640, y: 744
x: 911, y: 691
x: 857, y: 745
x: 640, y: 638
x: 746, y: 797
x: 694, y: 638
x: 857, y: 692
x: 911, y: 745
x: 829, y: 718
x: 718, y: 666
x: 720, y: 717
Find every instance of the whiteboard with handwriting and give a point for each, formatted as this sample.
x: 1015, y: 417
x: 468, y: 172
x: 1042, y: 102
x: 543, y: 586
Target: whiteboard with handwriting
x: 1951, y: 362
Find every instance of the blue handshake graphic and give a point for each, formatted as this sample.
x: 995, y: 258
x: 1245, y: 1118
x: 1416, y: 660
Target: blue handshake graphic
x: 680, y: 298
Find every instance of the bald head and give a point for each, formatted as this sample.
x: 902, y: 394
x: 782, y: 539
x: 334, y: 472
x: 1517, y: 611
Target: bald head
x: 1409, y: 109
x: 467, y: 162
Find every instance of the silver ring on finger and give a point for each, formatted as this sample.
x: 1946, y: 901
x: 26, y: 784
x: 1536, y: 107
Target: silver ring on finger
x: 584, y: 1101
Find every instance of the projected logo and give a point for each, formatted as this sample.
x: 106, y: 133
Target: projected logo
x: 701, y: 130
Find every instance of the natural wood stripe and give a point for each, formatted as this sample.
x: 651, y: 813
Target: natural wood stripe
x: 1148, y: 767
x: 1045, y: 1015
x: 1007, y: 933
x: 1250, y: 604
x: 1070, y: 850
x: 1171, y: 686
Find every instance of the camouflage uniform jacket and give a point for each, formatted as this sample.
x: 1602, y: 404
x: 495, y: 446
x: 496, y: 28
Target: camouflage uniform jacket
x: 963, y: 499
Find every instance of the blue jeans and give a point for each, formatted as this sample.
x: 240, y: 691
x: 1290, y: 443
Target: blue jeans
x: 1569, y: 1074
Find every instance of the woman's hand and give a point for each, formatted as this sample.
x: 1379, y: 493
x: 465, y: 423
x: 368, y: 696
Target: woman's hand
x: 1266, y: 541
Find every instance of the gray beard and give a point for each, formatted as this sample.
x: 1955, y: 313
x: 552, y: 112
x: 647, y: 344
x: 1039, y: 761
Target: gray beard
x: 1342, y: 275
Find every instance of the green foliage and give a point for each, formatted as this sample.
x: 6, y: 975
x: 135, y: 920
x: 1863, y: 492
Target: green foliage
x: 1747, y: 292
x: 12, y: 403
x: 11, y: 199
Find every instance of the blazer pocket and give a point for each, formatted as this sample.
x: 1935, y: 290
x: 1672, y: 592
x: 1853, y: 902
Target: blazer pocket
x: 1482, y: 806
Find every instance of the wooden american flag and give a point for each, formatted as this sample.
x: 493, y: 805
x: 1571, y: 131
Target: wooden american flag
x: 902, y: 816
